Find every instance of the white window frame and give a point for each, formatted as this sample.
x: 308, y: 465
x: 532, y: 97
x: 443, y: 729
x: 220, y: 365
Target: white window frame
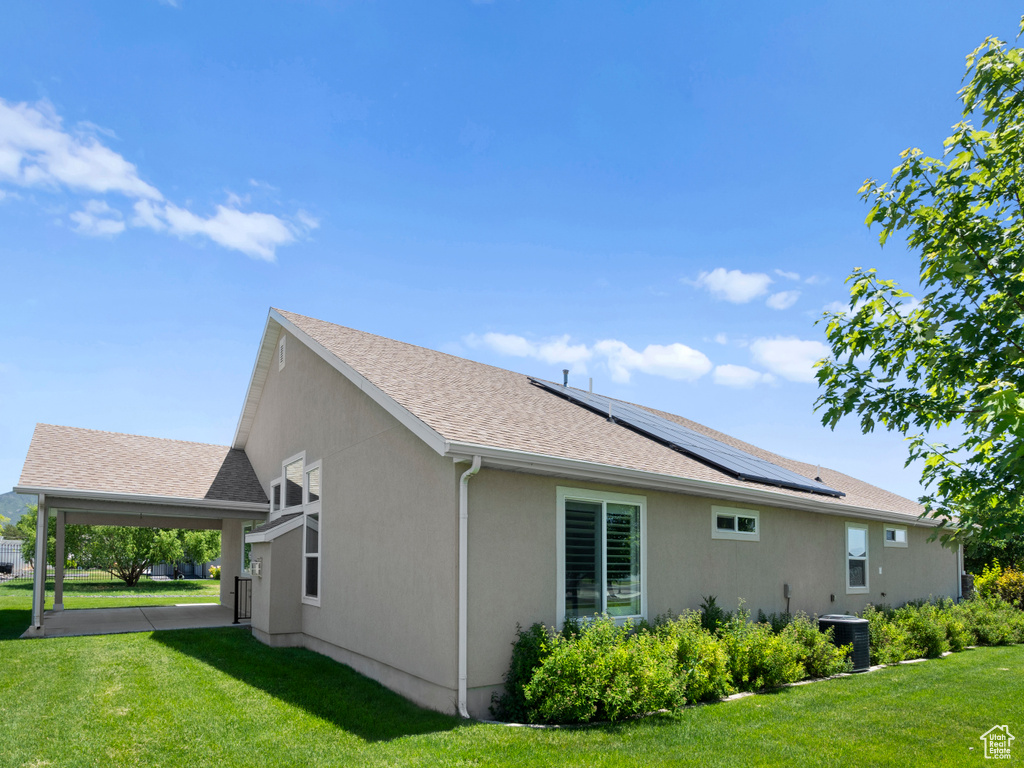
x: 247, y: 527
x: 900, y: 544
x: 275, y: 512
x: 867, y: 559
x: 312, y: 508
x: 300, y: 457
x: 736, y: 534
x: 584, y: 494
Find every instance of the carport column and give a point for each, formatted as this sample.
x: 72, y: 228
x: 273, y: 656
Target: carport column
x: 58, y: 564
x: 39, y: 582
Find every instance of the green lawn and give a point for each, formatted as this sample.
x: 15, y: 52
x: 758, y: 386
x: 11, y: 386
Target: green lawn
x: 218, y: 697
x: 114, y: 594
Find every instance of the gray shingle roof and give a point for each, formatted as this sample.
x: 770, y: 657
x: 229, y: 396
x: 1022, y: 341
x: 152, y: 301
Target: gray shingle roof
x: 471, y: 402
x: 70, y: 458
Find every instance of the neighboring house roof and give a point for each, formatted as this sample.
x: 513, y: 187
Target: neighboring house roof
x: 460, y: 407
x: 87, y: 460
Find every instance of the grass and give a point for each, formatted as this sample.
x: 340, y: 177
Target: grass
x: 115, y: 594
x: 218, y: 697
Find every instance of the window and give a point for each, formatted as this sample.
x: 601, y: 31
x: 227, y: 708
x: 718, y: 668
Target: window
x: 895, y: 536
x: 280, y: 353
x: 311, y: 559
x: 856, y: 558
x: 736, y: 524
x: 275, y: 496
x: 313, y: 483
x: 246, y: 548
x: 293, y: 482
x: 601, y: 554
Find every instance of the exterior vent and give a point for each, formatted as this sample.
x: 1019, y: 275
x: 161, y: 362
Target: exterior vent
x: 847, y: 630
x: 280, y: 353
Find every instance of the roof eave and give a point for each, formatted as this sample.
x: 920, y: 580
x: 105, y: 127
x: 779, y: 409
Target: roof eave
x: 226, y: 505
x: 523, y: 461
x: 277, y: 321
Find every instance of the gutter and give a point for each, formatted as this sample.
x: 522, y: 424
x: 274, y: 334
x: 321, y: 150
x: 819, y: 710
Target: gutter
x: 137, y: 498
x: 464, y: 579
x: 524, y: 461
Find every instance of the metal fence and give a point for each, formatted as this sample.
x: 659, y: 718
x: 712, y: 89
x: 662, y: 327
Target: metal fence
x: 14, y: 567
x: 243, y: 599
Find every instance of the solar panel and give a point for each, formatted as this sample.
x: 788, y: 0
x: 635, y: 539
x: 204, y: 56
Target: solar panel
x: 731, y: 460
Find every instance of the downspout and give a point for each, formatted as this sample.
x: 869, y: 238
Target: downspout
x: 464, y: 579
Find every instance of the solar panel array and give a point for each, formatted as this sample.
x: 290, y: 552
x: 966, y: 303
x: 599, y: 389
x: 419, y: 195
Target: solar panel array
x: 731, y: 460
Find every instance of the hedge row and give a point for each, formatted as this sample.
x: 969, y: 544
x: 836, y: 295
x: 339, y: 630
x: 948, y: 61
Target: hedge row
x: 601, y: 671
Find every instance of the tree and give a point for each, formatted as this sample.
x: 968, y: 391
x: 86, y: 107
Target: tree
x: 200, y: 546
x: 951, y: 362
x: 127, y: 552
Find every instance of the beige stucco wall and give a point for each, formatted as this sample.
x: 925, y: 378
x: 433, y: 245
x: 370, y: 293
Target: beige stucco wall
x: 513, y: 564
x: 389, y: 529
x: 279, y: 585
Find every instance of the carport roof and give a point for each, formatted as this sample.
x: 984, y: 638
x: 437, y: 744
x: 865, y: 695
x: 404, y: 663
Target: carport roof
x: 86, y: 460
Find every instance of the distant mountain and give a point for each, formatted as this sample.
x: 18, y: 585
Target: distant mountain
x: 14, y: 505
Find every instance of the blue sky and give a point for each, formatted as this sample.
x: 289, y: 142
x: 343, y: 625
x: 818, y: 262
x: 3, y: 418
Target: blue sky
x: 661, y: 196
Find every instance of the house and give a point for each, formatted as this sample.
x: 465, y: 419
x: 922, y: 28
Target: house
x: 417, y: 506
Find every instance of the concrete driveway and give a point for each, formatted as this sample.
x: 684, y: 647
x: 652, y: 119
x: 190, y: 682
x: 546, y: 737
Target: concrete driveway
x: 112, y: 621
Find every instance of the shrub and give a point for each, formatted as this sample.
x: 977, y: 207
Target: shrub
x: 215, y: 572
x: 777, y: 621
x: 703, y: 665
x: 925, y: 631
x: 603, y: 672
x: 1010, y: 587
x: 820, y: 656
x: 712, y: 617
x: 991, y: 620
x: 758, y: 658
x: 889, y: 641
x: 528, y: 652
x: 985, y: 584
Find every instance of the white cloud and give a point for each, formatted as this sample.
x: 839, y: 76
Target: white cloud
x: 721, y: 338
x: 782, y: 299
x: 840, y: 307
x: 734, y: 285
x: 789, y: 357
x: 674, y: 361
x: 787, y: 275
x: 254, y: 234
x: 551, y: 351
x: 740, y: 377
x: 97, y: 219
x: 815, y: 280
x: 37, y: 151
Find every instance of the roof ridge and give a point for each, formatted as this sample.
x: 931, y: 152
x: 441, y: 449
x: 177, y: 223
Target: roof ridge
x: 131, y: 434
x: 406, y: 344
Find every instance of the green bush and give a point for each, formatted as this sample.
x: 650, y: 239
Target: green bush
x: 820, y: 656
x: 528, y: 652
x: 777, y: 621
x: 703, y: 664
x: 985, y: 583
x: 1010, y: 587
x: 604, y: 672
x: 712, y: 617
x: 215, y: 572
x: 889, y: 641
x: 758, y: 658
x: 925, y: 631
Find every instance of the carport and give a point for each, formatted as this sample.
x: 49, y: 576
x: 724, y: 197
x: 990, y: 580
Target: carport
x: 88, y: 477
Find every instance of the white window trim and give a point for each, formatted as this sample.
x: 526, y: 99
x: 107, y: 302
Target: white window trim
x: 279, y: 483
x: 900, y: 544
x: 867, y: 559
x: 282, y: 350
x: 585, y: 494
x: 307, y: 510
x: 250, y: 524
x: 735, y: 535
x: 284, y: 489
x: 306, y: 469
